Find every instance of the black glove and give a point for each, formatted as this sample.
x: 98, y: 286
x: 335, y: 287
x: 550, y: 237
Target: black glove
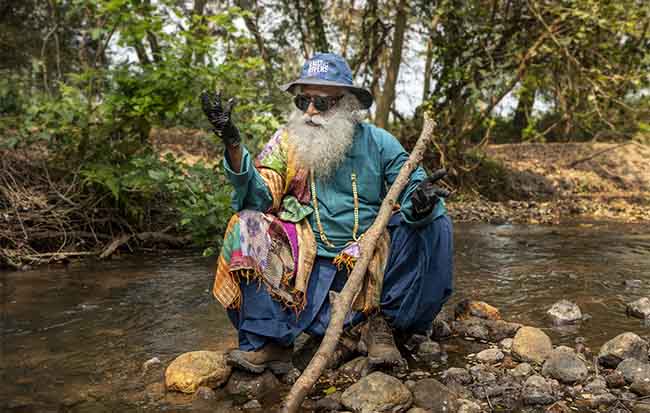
x: 427, y: 195
x: 219, y: 117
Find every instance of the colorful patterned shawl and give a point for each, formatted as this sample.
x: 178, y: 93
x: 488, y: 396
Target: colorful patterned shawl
x: 277, y: 247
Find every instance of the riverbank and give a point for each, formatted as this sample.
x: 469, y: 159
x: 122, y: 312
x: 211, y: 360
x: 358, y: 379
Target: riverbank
x: 54, y: 217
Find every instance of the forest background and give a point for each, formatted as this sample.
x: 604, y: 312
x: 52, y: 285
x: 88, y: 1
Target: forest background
x: 87, y: 88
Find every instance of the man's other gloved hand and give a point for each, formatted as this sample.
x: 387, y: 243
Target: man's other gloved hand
x: 427, y: 195
x: 219, y: 116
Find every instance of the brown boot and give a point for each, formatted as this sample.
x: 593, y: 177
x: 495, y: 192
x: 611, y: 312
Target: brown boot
x: 382, y: 351
x: 271, y: 356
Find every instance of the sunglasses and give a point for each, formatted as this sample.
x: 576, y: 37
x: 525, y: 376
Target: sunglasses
x: 321, y: 103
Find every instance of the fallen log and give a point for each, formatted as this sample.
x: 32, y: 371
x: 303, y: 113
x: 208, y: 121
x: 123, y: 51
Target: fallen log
x: 341, y: 303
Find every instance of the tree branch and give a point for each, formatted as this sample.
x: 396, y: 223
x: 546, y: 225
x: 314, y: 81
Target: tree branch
x: 341, y: 303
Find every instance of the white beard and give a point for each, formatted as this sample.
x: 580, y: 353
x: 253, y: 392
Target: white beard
x: 321, y: 141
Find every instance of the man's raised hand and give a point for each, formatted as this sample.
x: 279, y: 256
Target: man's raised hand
x: 219, y: 116
x: 427, y: 195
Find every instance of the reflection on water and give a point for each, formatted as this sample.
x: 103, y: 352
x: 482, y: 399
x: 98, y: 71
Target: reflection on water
x: 75, y: 338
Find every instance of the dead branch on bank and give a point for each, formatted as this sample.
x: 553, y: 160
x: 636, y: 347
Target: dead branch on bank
x: 341, y: 303
x: 47, y: 217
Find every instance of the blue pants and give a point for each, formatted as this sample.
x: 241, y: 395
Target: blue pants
x: 417, y: 282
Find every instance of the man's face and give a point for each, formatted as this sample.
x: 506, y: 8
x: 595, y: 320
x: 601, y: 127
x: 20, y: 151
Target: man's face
x: 320, y: 99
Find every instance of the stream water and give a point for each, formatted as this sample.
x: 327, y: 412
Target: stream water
x: 74, y: 338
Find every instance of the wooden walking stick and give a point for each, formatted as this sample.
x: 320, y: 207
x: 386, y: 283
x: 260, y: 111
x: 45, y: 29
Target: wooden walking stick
x: 341, y: 303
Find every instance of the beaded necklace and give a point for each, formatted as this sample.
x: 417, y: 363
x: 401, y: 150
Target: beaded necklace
x: 314, y: 196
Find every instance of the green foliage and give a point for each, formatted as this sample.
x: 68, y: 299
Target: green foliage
x: 195, y: 195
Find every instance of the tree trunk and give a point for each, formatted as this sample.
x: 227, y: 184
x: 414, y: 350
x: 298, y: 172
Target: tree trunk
x: 348, y: 29
x: 299, y: 10
x: 199, y: 10
x: 386, y: 99
x: 524, y: 109
x: 253, y: 27
x: 317, y: 27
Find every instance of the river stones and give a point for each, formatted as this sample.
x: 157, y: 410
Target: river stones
x: 595, y: 394
x: 564, y: 312
x: 197, y: 368
x: 434, y: 396
x: 641, y: 387
x: 633, y: 370
x: 482, y: 329
x: 522, y: 371
x: 250, y: 385
x: 626, y: 345
x: 355, y: 368
x: 532, y: 345
x: 456, y: 374
x: 537, y: 390
x: 639, y: 308
x: 564, y: 365
x: 468, y: 308
x: 440, y: 328
x: 490, y: 356
x: 377, y: 392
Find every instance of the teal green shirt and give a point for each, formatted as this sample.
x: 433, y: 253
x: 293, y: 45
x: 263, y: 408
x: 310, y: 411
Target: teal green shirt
x: 376, y: 158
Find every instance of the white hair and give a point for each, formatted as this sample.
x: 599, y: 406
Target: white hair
x: 321, y: 141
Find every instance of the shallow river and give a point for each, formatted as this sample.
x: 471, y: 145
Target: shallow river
x: 74, y: 338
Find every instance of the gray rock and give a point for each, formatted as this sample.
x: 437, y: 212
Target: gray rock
x: 633, y: 370
x: 522, y: 370
x: 564, y: 312
x: 149, y: 364
x: 441, y: 329
x: 633, y: 283
x: 595, y: 386
x: 251, y: 386
x: 482, y: 329
x: 621, y: 347
x: 432, y: 395
x: 377, y: 392
x: 429, y: 351
x: 354, y: 368
x: 490, y: 356
x: 564, y: 365
x: 473, y: 327
x: 489, y: 390
x: 331, y: 402
x: 501, y: 329
x: 483, y: 374
x: 418, y: 410
x: 532, y: 345
x: 537, y: 390
x: 456, y: 374
x: 639, y: 308
x: 641, y: 387
x: 253, y: 404
x: 506, y: 344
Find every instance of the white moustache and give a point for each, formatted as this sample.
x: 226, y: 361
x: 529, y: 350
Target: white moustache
x: 315, y: 120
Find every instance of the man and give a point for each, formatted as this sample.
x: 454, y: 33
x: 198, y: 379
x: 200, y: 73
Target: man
x: 302, y: 206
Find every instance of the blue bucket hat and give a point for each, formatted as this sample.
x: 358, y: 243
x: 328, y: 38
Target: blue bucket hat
x: 329, y: 69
